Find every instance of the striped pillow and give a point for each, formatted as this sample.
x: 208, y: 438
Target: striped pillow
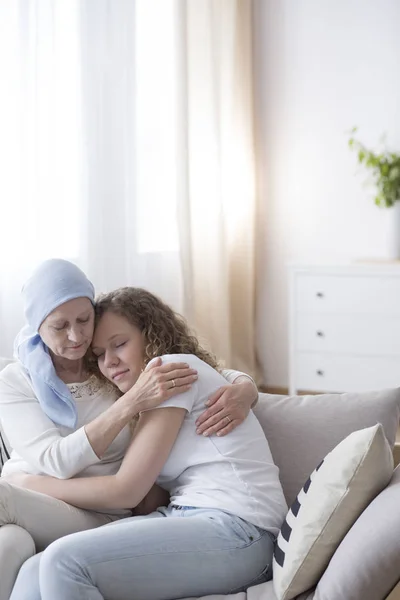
x: 333, y: 497
x: 290, y: 521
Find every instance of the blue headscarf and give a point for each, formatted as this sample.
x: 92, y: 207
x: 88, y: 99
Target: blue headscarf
x: 54, y: 282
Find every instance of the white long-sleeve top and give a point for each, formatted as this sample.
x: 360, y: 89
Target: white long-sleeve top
x: 42, y: 447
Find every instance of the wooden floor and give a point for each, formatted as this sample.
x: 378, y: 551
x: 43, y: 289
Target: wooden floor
x: 274, y: 390
x: 283, y: 391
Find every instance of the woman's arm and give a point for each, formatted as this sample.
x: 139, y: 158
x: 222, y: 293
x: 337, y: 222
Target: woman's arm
x: 155, y: 435
x: 33, y: 436
x: 39, y: 442
x: 232, y: 401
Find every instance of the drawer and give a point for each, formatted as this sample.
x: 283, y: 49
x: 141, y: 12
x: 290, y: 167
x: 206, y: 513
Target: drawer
x: 348, y: 334
x: 333, y: 373
x: 347, y: 294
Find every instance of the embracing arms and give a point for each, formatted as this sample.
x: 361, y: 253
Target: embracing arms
x: 154, y: 437
x: 39, y: 442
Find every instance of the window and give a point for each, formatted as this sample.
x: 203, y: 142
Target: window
x: 156, y: 105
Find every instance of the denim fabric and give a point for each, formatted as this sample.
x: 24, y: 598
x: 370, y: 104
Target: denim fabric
x: 171, y: 553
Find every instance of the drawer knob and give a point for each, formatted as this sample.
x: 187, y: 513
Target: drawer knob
x: 320, y: 294
x: 320, y: 373
x: 320, y: 334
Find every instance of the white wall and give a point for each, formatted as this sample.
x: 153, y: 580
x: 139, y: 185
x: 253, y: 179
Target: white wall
x: 322, y: 67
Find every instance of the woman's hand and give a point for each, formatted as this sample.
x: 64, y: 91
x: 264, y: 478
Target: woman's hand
x: 228, y: 408
x: 159, y: 382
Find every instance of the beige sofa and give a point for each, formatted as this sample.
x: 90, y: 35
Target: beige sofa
x: 301, y: 430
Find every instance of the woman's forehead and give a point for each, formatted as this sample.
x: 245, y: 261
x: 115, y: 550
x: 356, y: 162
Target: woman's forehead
x: 111, y: 325
x: 71, y: 309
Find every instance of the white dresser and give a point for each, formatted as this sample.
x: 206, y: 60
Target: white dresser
x: 344, y: 327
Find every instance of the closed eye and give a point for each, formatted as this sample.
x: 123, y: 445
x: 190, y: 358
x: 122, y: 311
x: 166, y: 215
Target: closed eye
x: 120, y: 344
x: 84, y: 320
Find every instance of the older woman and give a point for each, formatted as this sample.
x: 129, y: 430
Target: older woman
x: 63, y: 421
x: 227, y: 504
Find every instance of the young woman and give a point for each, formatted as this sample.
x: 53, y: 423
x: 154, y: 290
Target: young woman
x: 226, y: 506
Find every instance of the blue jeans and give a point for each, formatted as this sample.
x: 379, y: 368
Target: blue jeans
x: 171, y: 553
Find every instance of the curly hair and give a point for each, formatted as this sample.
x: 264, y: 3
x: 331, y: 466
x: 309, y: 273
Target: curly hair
x: 165, y: 331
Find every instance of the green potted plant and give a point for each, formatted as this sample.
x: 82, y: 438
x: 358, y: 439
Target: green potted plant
x: 385, y: 169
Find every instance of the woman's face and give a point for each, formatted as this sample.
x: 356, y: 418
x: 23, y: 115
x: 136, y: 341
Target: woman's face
x: 68, y: 330
x: 119, y: 347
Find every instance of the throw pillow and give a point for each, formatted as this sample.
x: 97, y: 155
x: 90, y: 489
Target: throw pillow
x: 333, y: 497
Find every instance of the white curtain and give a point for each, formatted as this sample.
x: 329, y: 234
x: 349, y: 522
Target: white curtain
x: 127, y: 147
x: 85, y: 136
x: 39, y: 146
x: 219, y: 210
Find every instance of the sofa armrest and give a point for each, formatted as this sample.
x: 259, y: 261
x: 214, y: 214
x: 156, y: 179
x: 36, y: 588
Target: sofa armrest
x: 375, y: 539
x: 395, y: 594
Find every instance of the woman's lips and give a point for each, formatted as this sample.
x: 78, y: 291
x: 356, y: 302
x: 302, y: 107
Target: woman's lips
x: 117, y: 376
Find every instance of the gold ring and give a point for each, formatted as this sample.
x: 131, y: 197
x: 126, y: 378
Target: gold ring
x: 173, y: 383
x: 229, y: 419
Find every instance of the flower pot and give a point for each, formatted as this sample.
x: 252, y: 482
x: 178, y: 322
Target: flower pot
x: 393, y: 238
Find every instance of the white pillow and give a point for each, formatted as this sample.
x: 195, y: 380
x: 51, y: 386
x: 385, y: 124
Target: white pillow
x: 334, y: 496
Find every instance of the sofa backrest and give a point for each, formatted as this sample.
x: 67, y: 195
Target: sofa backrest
x: 301, y: 430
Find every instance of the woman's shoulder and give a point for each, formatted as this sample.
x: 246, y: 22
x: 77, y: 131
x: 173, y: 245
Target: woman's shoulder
x: 205, y: 371
x: 191, y: 359
x: 14, y: 377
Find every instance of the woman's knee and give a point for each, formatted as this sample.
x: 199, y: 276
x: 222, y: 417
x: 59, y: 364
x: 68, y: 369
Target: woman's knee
x: 61, y: 556
x: 16, y: 546
x: 16, y: 541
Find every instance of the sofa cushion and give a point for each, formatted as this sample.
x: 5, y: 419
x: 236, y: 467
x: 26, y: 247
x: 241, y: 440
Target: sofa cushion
x: 263, y: 591
x: 366, y: 564
x: 333, y: 497
x: 301, y: 430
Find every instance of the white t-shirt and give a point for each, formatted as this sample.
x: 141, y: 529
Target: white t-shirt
x: 235, y: 473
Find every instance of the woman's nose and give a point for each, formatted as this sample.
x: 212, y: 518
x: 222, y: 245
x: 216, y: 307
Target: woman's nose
x: 75, y: 335
x: 110, y: 359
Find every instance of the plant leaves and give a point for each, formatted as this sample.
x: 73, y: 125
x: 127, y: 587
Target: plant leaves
x: 385, y: 168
